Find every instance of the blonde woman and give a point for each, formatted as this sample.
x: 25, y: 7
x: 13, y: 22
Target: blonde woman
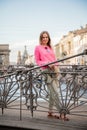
x: 45, y: 54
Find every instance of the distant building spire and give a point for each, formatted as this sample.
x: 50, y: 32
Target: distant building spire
x: 25, y: 55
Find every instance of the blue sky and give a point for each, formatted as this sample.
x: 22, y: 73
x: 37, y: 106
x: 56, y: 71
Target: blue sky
x: 21, y: 21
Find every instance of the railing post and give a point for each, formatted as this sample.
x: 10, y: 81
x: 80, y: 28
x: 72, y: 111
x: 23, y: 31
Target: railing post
x: 31, y: 93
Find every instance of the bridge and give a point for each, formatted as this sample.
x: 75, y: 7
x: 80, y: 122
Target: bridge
x: 23, y: 89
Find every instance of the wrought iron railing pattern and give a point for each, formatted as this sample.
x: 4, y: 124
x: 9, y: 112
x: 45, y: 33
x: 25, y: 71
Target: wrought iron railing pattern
x: 26, y: 84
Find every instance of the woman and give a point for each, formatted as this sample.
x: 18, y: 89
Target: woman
x: 44, y: 54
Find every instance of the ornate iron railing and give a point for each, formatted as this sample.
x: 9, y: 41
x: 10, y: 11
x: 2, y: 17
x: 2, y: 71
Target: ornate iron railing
x: 26, y: 85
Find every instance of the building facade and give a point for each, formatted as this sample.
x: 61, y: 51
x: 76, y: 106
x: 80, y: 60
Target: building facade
x: 74, y: 42
x: 4, y: 55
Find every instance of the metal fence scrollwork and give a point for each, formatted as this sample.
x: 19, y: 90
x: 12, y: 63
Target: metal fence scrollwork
x: 26, y: 85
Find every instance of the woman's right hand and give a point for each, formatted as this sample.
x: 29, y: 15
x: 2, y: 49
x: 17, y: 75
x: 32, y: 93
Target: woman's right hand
x: 51, y: 67
x: 54, y: 69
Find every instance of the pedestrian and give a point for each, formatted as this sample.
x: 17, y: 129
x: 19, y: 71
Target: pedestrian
x: 44, y: 54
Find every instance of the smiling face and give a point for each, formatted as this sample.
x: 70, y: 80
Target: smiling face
x: 45, y: 39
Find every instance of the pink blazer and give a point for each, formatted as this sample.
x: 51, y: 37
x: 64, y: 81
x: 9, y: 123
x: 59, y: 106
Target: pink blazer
x: 44, y: 55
